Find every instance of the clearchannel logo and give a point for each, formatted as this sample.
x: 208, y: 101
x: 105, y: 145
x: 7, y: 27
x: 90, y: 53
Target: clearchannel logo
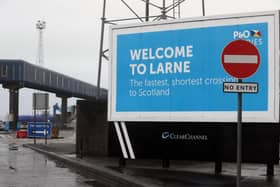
x: 253, y: 36
x: 183, y: 136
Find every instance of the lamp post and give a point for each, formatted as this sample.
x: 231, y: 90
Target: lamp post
x: 40, y: 25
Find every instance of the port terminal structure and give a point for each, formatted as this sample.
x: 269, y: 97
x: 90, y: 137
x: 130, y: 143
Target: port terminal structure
x: 17, y: 74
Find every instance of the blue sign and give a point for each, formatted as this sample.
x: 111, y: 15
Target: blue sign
x: 39, y: 129
x: 176, y: 68
x: 181, y: 70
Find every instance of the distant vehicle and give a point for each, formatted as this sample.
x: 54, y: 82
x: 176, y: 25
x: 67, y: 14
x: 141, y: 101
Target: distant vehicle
x: 2, y: 126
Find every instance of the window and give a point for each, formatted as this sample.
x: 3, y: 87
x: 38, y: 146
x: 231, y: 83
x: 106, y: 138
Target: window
x: 4, y: 70
x: 44, y: 77
x: 35, y: 74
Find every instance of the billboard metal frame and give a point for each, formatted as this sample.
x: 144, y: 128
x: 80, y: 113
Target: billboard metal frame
x: 164, y: 8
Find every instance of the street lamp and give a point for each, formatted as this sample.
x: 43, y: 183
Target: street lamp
x: 40, y: 25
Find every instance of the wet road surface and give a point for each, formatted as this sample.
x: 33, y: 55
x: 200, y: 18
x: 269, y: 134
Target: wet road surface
x: 26, y: 168
x: 31, y: 169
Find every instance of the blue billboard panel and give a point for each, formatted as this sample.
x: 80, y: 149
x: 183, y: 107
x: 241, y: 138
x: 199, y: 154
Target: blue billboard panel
x: 39, y: 129
x: 181, y: 70
x: 161, y: 71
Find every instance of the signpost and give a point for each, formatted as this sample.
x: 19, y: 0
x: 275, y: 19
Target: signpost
x: 240, y: 59
x: 40, y: 102
x: 39, y: 130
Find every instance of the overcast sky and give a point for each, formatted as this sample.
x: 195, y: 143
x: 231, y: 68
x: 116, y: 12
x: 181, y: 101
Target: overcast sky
x: 71, y: 38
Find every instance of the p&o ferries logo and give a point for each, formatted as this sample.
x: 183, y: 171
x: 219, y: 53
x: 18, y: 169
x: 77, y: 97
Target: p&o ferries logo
x: 254, y: 36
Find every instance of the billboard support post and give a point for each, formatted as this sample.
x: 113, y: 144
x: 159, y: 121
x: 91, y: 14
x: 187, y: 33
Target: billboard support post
x: 101, y: 53
x: 163, y: 16
x: 124, y: 140
x: 147, y: 12
x: 203, y: 8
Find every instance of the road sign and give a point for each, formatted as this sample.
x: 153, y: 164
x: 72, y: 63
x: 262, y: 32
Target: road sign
x: 234, y: 87
x: 39, y: 129
x: 240, y: 59
x: 40, y: 101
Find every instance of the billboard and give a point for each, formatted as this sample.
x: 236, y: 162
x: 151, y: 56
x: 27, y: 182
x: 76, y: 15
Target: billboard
x: 172, y: 70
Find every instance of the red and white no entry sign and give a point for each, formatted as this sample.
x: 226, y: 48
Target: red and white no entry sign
x: 240, y: 59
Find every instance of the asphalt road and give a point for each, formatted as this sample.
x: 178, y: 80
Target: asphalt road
x: 26, y: 168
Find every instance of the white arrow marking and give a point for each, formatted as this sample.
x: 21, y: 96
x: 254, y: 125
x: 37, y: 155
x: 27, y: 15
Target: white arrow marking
x: 40, y: 132
x: 242, y: 59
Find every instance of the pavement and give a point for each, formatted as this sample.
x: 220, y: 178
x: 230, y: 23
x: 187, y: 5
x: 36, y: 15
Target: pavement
x: 147, y: 172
